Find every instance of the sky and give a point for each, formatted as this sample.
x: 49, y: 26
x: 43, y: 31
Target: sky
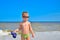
x: 39, y: 10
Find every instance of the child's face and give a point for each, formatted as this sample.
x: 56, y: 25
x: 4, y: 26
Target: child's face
x: 25, y: 16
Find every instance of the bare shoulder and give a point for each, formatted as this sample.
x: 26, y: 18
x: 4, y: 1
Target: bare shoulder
x: 29, y: 23
x: 20, y: 23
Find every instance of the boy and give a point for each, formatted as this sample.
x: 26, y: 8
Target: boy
x: 25, y: 27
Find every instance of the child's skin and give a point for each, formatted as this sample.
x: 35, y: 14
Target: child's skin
x: 25, y: 26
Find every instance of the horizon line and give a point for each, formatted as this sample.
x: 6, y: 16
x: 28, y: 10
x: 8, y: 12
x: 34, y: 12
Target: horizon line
x: 30, y: 21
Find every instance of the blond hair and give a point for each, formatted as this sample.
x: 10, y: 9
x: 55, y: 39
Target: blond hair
x: 24, y: 12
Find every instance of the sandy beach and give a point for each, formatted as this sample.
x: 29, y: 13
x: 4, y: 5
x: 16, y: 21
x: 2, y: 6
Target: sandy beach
x: 52, y: 35
x: 43, y: 31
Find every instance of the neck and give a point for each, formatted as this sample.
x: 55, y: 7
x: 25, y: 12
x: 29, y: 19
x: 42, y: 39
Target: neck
x: 24, y: 21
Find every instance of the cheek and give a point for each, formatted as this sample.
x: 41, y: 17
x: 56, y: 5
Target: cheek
x: 25, y: 18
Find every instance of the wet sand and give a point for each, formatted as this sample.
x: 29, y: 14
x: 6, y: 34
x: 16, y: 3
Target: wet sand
x: 52, y: 35
x: 43, y: 31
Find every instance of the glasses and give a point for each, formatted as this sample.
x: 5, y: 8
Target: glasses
x: 25, y: 16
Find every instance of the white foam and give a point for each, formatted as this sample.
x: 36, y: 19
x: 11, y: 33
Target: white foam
x: 3, y: 33
x: 52, y: 35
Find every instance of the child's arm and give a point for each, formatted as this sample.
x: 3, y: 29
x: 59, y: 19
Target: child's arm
x: 31, y: 30
x: 17, y: 30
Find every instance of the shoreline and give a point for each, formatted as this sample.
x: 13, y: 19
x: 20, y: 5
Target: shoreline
x: 53, y: 35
